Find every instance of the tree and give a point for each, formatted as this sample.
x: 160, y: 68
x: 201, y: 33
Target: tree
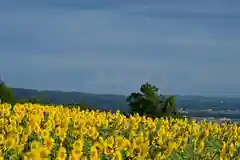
x: 169, y: 107
x: 150, y: 103
x: 135, y: 100
x: 6, y: 94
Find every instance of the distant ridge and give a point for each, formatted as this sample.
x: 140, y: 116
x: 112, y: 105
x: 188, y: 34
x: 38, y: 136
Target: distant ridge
x: 109, y: 102
x: 114, y: 102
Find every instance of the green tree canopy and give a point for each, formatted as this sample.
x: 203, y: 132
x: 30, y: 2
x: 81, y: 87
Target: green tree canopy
x: 6, y: 94
x: 150, y: 103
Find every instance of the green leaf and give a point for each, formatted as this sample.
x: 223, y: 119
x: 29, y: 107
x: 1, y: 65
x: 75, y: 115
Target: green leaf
x: 176, y: 156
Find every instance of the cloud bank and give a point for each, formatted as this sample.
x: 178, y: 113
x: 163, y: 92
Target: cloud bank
x: 113, y: 47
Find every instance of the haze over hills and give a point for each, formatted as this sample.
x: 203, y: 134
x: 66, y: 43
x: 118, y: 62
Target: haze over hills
x: 195, y: 106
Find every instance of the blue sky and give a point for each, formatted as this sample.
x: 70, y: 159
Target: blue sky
x: 184, y: 47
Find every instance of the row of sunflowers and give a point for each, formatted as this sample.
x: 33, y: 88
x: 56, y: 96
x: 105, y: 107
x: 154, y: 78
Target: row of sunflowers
x: 34, y: 132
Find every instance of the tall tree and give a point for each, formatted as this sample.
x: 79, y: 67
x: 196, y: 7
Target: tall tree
x: 135, y: 101
x: 149, y: 102
x: 6, y: 94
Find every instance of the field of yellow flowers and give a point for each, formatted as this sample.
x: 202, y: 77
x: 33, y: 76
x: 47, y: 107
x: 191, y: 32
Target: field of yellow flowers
x: 32, y: 131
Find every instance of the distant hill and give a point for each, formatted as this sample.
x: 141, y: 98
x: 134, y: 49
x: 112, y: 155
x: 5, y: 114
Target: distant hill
x: 103, y: 102
x: 114, y: 102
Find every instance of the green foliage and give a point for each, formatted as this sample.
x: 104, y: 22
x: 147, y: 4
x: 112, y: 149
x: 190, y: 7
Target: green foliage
x: 148, y: 102
x: 11, y: 154
x: 6, y: 94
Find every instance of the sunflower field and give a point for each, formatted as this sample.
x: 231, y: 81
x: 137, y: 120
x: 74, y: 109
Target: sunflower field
x: 34, y: 132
